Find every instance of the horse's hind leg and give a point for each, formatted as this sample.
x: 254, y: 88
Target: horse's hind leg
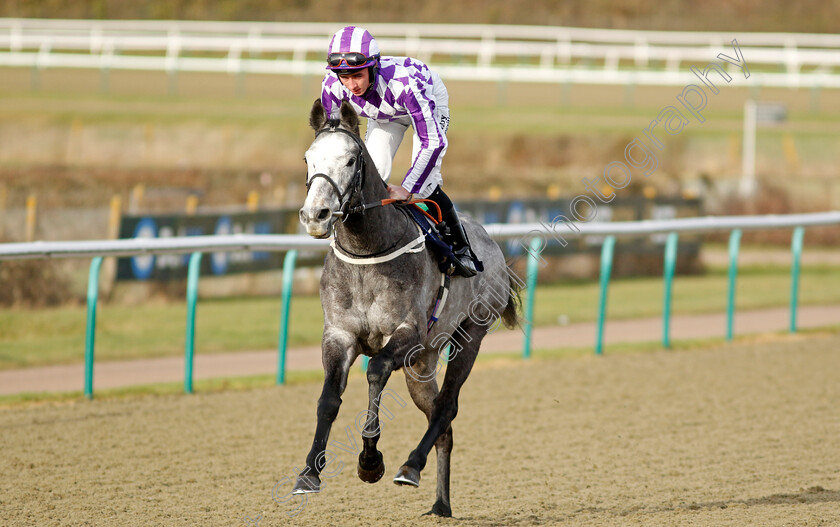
x: 465, y: 344
x: 443, y: 447
x: 422, y: 385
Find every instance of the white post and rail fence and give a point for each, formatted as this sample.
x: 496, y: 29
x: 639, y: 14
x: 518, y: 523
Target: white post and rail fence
x: 471, y: 52
x: 534, y: 236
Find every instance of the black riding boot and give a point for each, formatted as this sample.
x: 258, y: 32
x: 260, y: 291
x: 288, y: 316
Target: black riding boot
x: 453, y: 234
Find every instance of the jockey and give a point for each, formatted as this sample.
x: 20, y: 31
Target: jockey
x: 395, y: 93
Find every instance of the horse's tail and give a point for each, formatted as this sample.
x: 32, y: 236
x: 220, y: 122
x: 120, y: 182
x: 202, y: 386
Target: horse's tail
x: 510, y: 315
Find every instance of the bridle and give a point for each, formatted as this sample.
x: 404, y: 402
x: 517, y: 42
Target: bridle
x: 356, y: 183
x: 416, y: 245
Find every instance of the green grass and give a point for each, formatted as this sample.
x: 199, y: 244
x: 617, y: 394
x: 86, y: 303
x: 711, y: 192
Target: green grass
x: 56, y: 335
x: 757, y: 287
x: 282, y: 102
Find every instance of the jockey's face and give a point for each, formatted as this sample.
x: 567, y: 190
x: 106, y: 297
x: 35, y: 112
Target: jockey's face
x: 357, y: 82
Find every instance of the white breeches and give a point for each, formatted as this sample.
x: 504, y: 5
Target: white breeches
x: 383, y: 138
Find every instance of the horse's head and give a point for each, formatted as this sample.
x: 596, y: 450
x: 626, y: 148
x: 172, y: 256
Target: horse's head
x: 335, y: 168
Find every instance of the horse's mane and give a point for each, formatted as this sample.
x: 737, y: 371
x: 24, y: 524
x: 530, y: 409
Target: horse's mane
x: 335, y: 123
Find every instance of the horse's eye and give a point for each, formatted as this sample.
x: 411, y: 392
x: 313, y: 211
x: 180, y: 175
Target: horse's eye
x: 351, y: 162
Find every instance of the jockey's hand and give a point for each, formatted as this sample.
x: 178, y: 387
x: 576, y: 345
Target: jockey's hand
x: 398, y: 193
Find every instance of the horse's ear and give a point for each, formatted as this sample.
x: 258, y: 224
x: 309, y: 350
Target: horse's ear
x: 317, y: 116
x: 349, y: 118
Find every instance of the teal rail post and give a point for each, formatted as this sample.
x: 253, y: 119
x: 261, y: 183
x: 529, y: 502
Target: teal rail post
x: 288, y: 281
x: 607, y: 251
x: 531, y: 284
x: 365, y: 360
x: 90, y: 333
x: 192, y: 297
x: 796, y: 250
x: 670, y: 266
x: 734, y: 243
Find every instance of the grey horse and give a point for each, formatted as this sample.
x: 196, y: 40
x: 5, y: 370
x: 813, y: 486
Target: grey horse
x: 379, y: 289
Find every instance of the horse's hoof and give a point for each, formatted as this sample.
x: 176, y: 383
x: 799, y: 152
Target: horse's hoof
x: 306, y: 483
x: 371, y: 472
x: 440, y: 509
x: 407, y: 476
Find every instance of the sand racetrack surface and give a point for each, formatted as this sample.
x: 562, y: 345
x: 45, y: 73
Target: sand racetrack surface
x: 741, y: 434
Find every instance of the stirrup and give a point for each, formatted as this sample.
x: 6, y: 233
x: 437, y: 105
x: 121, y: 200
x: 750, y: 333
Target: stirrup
x: 463, y: 263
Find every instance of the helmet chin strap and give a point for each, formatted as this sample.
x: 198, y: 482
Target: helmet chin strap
x: 373, y: 75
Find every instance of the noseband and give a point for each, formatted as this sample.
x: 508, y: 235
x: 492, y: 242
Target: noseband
x: 356, y: 183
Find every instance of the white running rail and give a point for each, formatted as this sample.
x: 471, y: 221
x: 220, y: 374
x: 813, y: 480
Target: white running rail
x: 285, y: 242
x: 463, y: 52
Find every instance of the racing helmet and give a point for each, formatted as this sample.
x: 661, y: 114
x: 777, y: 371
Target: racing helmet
x: 351, y: 49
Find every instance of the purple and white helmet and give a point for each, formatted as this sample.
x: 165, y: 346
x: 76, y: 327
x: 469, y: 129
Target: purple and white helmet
x: 352, y: 48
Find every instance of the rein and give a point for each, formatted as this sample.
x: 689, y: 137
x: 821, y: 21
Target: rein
x: 351, y: 254
x: 390, y: 201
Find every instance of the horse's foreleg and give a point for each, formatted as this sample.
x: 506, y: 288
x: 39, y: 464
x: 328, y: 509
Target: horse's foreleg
x: 371, y: 465
x: 336, y: 366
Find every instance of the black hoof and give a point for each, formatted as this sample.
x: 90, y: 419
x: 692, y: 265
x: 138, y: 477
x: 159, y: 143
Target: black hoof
x: 440, y: 509
x: 307, y: 483
x: 372, y: 471
x: 407, y: 476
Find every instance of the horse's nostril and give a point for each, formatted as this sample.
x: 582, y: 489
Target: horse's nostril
x: 302, y: 216
x: 323, y: 214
